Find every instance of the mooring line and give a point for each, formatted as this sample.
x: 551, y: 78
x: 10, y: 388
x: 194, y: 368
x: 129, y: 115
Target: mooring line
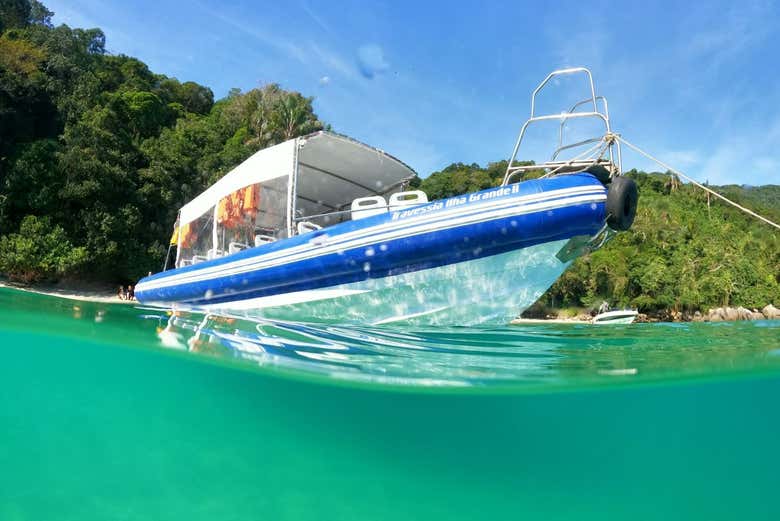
x: 694, y: 182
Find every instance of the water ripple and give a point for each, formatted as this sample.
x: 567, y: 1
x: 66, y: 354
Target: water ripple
x: 511, y: 357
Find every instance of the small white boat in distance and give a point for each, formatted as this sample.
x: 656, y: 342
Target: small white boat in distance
x: 618, y: 316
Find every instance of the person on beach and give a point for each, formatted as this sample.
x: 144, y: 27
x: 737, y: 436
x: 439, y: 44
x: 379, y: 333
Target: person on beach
x: 121, y: 293
x: 130, y: 293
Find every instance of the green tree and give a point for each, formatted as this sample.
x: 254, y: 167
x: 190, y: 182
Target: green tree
x: 14, y: 14
x: 38, y: 251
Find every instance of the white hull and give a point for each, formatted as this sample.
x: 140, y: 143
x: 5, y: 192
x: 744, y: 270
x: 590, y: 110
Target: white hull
x: 490, y: 290
x: 616, y: 317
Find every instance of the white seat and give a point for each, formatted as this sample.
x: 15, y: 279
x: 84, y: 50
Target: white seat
x: 263, y: 239
x: 410, y: 198
x: 215, y: 253
x: 367, y: 206
x: 234, y: 247
x: 306, y: 227
x: 199, y: 258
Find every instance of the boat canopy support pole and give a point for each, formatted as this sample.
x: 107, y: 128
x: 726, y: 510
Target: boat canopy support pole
x: 178, y: 240
x: 292, y: 188
x: 167, y: 257
x: 215, y: 231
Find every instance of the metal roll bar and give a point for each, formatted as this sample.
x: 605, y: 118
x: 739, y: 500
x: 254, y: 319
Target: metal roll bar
x: 553, y: 166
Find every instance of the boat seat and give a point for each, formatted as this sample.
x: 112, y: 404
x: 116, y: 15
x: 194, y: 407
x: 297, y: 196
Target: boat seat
x: 410, y: 198
x: 185, y: 262
x: 199, y: 258
x: 235, y: 247
x: 215, y: 253
x: 306, y: 227
x: 367, y: 206
x: 263, y: 239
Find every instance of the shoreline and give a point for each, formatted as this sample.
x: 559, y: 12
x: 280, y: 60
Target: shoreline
x: 724, y: 314
x: 720, y: 314
x: 101, y: 296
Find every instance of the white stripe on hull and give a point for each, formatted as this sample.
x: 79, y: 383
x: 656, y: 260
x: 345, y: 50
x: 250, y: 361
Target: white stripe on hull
x: 286, y: 299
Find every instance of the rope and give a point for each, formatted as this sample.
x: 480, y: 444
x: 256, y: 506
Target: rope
x: 600, y: 146
x: 694, y: 182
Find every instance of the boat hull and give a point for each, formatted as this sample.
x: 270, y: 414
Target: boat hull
x: 489, y: 290
x: 615, y: 317
x: 478, y: 258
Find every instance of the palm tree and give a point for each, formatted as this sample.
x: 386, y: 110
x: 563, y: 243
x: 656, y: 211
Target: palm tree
x: 294, y: 116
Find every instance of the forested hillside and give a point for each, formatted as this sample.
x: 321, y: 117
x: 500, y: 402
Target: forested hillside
x: 97, y: 152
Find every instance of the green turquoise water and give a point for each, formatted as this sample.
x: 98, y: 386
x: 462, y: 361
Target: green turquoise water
x: 118, y: 412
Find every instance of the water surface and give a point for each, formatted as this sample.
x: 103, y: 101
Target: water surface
x: 121, y: 412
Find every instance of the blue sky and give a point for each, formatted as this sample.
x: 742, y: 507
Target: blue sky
x: 439, y: 82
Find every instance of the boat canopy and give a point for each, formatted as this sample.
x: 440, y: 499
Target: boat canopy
x: 270, y: 163
x: 324, y: 171
x: 302, y: 184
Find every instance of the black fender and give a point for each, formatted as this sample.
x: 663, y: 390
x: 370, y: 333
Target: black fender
x: 622, y: 198
x: 600, y: 173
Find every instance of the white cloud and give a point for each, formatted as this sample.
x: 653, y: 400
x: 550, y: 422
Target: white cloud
x: 681, y: 159
x: 317, y: 19
x: 740, y: 160
x: 332, y: 61
x: 737, y: 30
x: 281, y: 45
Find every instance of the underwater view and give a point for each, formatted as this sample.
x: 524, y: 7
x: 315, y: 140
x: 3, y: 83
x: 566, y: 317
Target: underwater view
x: 111, y: 411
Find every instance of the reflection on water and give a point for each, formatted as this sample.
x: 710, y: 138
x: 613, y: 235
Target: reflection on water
x: 517, y: 357
x: 508, y: 358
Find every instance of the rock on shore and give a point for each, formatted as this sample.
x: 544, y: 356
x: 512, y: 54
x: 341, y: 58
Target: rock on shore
x: 771, y: 312
x: 728, y: 314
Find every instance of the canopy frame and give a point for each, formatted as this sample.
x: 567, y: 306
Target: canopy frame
x: 342, y: 159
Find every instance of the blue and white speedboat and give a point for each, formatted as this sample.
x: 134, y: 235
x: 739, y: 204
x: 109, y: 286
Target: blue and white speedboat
x: 324, y: 228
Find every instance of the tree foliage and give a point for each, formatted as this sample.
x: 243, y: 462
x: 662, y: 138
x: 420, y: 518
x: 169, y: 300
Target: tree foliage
x: 40, y: 250
x: 459, y: 178
x: 104, y: 151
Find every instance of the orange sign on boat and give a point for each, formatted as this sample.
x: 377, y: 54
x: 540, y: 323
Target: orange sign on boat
x: 188, y: 235
x: 233, y: 209
x: 251, y: 200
